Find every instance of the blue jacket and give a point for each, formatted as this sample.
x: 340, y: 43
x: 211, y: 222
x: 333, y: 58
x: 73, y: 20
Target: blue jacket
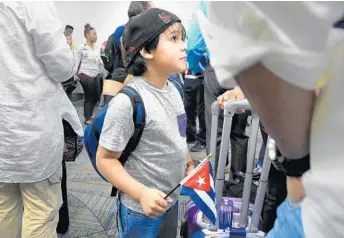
x: 197, y: 54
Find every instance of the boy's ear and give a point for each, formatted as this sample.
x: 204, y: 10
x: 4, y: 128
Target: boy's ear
x: 145, y: 54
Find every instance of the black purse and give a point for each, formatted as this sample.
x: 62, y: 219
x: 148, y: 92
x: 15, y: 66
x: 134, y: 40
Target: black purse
x: 73, y: 143
x: 70, y: 85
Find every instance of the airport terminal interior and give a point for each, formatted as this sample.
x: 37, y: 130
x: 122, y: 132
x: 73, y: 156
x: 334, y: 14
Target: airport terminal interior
x: 196, y: 127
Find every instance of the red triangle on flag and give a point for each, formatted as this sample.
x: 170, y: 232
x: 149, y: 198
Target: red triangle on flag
x: 200, y: 180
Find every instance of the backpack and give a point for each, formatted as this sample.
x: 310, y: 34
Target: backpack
x: 113, y: 50
x: 93, y: 131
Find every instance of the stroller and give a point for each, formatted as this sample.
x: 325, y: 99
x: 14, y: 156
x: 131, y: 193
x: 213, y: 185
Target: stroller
x: 245, y: 217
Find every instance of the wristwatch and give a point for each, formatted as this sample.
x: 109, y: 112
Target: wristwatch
x: 290, y: 167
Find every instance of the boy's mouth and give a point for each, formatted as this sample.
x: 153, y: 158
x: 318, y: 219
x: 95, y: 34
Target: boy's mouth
x: 183, y: 58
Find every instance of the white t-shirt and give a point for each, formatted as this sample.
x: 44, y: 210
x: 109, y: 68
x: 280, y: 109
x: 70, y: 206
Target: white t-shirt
x: 91, y: 63
x: 291, y: 39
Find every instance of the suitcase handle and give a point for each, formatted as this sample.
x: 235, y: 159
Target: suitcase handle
x: 233, y: 105
x: 230, y: 108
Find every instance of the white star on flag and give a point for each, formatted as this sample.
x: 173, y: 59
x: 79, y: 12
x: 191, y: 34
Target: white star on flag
x: 200, y: 181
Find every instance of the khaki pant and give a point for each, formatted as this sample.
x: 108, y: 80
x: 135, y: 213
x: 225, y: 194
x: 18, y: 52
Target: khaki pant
x: 30, y: 209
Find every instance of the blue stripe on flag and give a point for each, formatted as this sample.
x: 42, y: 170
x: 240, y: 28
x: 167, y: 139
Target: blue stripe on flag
x: 201, y: 204
x: 211, y: 194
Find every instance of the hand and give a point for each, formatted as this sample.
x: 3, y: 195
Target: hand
x: 153, y: 203
x: 189, y: 170
x: 65, y: 149
x: 295, y: 189
x: 234, y: 94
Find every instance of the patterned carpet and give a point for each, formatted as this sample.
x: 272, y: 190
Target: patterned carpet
x: 91, y: 209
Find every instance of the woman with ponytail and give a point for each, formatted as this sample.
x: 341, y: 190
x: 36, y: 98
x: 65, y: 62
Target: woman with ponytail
x: 89, y: 72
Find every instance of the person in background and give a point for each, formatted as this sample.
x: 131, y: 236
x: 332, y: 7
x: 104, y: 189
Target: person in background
x: 68, y: 32
x: 154, y: 43
x: 114, y: 62
x: 276, y: 52
x: 194, y: 91
x: 194, y: 107
x: 70, y: 84
x: 108, y: 88
x: 198, y: 59
x: 35, y: 59
x: 179, y: 78
x: 90, y: 72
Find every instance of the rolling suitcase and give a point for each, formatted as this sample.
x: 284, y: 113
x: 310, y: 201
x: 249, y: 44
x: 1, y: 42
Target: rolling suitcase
x: 246, y: 215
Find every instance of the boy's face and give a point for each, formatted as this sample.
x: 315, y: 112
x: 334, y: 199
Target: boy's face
x: 170, y: 54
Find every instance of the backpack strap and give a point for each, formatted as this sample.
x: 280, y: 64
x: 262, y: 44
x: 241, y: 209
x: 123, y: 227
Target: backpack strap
x: 139, y: 118
x: 178, y: 86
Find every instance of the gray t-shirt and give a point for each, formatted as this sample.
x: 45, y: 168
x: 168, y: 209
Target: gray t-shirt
x: 159, y: 160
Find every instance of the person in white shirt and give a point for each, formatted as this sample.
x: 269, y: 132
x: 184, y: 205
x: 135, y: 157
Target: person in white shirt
x: 89, y: 72
x: 276, y: 51
x: 35, y: 58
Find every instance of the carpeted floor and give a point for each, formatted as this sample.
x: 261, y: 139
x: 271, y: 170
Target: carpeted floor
x: 91, y: 209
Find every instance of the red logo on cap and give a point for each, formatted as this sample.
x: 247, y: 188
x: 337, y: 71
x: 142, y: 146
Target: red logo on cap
x: 164, y: 17
x: 131, y: 49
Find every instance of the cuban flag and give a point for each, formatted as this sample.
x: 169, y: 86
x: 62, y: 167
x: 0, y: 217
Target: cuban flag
x: 199, y: 186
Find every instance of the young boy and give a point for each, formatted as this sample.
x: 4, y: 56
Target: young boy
x: 155, y: 48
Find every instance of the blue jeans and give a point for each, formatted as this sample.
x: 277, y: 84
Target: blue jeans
x: 133, y: 224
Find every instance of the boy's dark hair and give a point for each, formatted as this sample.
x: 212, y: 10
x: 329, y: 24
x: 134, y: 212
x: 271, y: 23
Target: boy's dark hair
x: 88, y: 28
x: 143, y: 32
x: 138, y: 65
x: 69, y: 27
x: 136, y: 7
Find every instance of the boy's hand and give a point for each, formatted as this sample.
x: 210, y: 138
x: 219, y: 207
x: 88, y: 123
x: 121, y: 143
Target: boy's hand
x: 153, y: 203
x: 189, y: 170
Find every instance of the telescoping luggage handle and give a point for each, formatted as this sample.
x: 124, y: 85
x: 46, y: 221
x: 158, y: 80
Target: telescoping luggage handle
x: 230, y: 108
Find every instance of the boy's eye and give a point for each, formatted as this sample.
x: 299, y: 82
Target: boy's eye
x: 174, y: 38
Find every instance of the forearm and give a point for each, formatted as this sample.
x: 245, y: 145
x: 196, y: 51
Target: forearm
x: 285, y: 110
x: 189, y: 164
x: 115, y: 173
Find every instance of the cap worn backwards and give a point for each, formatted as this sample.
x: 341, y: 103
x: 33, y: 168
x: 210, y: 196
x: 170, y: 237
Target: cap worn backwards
x: 143, y: 28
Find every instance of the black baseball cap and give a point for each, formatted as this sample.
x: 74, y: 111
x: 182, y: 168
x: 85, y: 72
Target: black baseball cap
x: 143, y: 28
